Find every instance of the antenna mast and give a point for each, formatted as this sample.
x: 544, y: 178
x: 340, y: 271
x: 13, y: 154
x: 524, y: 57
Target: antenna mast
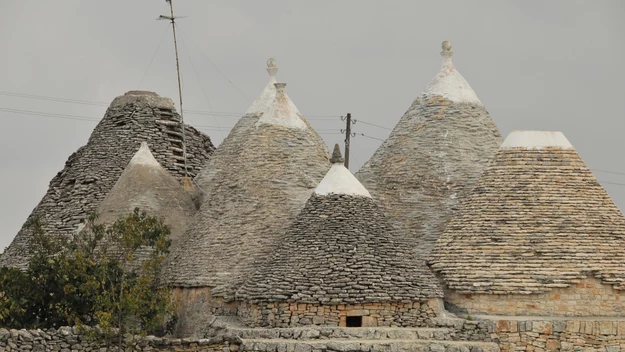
x: 172, y: 18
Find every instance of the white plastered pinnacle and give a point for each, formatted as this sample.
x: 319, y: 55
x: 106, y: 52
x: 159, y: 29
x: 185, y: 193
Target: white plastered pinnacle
x: 536, y: 140
x: 267, y: 96
x: 144, y: 157
x: 449, y: 83
x: 282, y: 111
x: 339, y: 180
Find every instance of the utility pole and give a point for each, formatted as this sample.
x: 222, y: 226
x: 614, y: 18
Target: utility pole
x: 172, y: 18
x: 348, y: 134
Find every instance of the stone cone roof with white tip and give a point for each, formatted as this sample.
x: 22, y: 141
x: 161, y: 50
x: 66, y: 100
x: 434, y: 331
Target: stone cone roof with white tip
x: 341, y: 250
x: 537, y: 219
x: 92, y: 171
x: 144, y: 184
x: 432, y: 158
x: 262, y: 183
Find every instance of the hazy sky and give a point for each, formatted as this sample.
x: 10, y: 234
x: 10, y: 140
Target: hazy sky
x: 551, y: 65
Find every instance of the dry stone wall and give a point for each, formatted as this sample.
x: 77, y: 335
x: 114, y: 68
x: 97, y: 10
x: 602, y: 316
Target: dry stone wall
x: 588, y: 297
x: 91, y: 172
x: 67, y: 339
x: 281, y: 315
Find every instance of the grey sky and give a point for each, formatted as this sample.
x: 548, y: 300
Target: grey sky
x: 552, y: 65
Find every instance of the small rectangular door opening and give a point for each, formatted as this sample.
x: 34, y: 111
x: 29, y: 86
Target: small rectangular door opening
x: 353, y: 322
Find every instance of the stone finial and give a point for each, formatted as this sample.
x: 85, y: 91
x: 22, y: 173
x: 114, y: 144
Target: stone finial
x: 272, y: 67
x: 337, y: 158
x: 279, y: 86
x: 446, y: 46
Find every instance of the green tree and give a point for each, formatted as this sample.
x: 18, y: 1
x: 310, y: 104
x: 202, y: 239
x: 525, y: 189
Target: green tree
x: 105, y: 275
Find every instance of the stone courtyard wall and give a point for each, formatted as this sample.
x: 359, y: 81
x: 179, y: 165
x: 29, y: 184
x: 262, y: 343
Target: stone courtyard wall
x: 589, y: 297
x: 76, y: 340
x: 282, y: 315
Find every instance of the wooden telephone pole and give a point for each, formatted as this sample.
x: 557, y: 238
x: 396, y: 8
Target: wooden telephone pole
x: 172, y: 18
x: 348, y: 134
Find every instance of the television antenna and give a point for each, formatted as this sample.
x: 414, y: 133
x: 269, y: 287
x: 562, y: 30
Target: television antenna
x: 172, y: 19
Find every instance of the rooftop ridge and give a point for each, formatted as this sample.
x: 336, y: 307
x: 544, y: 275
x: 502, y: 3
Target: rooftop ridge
x: 536, y: 140
x: 449, y: 83
x: 282, y: 111
x: 267, y: 96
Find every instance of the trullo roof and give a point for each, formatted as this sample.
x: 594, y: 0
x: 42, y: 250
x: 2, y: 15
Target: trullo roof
x: 144, y: 184
x: 341, y: 249
x: 432, y: 158
x: 92, y: 171
x: 261, y: 185
x: 536, y: 219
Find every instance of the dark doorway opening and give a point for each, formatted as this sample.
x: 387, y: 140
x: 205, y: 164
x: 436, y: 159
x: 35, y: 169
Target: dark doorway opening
x: 353, y: 322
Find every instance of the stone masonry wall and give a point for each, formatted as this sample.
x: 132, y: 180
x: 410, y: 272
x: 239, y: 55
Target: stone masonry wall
x: 68, y: 339
x: 586, y: 335
x: 196, y: 308
x: 281, y: 315
x: 588, y: 297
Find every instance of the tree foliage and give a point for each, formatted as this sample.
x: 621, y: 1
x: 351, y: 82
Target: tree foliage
x: 104, y: 275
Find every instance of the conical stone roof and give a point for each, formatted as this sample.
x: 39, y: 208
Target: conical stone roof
x: 341, y: 250
x: 537, y: 219
x: 233, y: 143
x: 432, y: 158
x: 250, y: 200
x: 92, y: 171
x: 146, y: 185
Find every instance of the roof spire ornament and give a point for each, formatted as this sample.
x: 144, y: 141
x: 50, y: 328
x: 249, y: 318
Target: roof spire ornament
x: 337, y: 158
x: 264, y: 101
x: 449, y: 83
x: 272, y: 69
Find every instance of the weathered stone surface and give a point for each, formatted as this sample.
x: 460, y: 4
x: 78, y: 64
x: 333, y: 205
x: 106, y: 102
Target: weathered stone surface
x: 265, y: 173
x: 341, y: 249
x: 537, y: 220
x: 428, y: 164
x: 92, y: 171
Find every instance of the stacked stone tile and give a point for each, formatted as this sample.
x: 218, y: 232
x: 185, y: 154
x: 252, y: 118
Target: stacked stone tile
x: 340, y: 250
x: 144, y: 184
x: 264, y: 174
x: 233, y: 143
x: 536, y: 220
x: 432, y: 158
x: 91, y: 172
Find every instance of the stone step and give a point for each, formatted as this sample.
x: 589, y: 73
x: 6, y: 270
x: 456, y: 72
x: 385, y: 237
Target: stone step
x: 322, y: 332
x: 356, y: 345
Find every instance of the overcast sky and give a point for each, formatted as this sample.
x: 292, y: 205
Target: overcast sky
x: 550, y: 65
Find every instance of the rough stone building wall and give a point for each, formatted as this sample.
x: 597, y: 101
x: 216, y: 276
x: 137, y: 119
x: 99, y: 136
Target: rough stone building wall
x: 588, y: 297
x: 90, y: 173
x: 282, y: 315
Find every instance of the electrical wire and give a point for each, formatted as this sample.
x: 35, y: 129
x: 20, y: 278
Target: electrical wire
x: 154, y: 56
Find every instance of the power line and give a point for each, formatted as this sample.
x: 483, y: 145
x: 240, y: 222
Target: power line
x: 612, y: 183
x: 45, y: 114
x: 60, y: 100
x: 372, y: 124
x: 211, y: 62
x: 609, y: 172
x: 366, y: 136
x: 154, y: 56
